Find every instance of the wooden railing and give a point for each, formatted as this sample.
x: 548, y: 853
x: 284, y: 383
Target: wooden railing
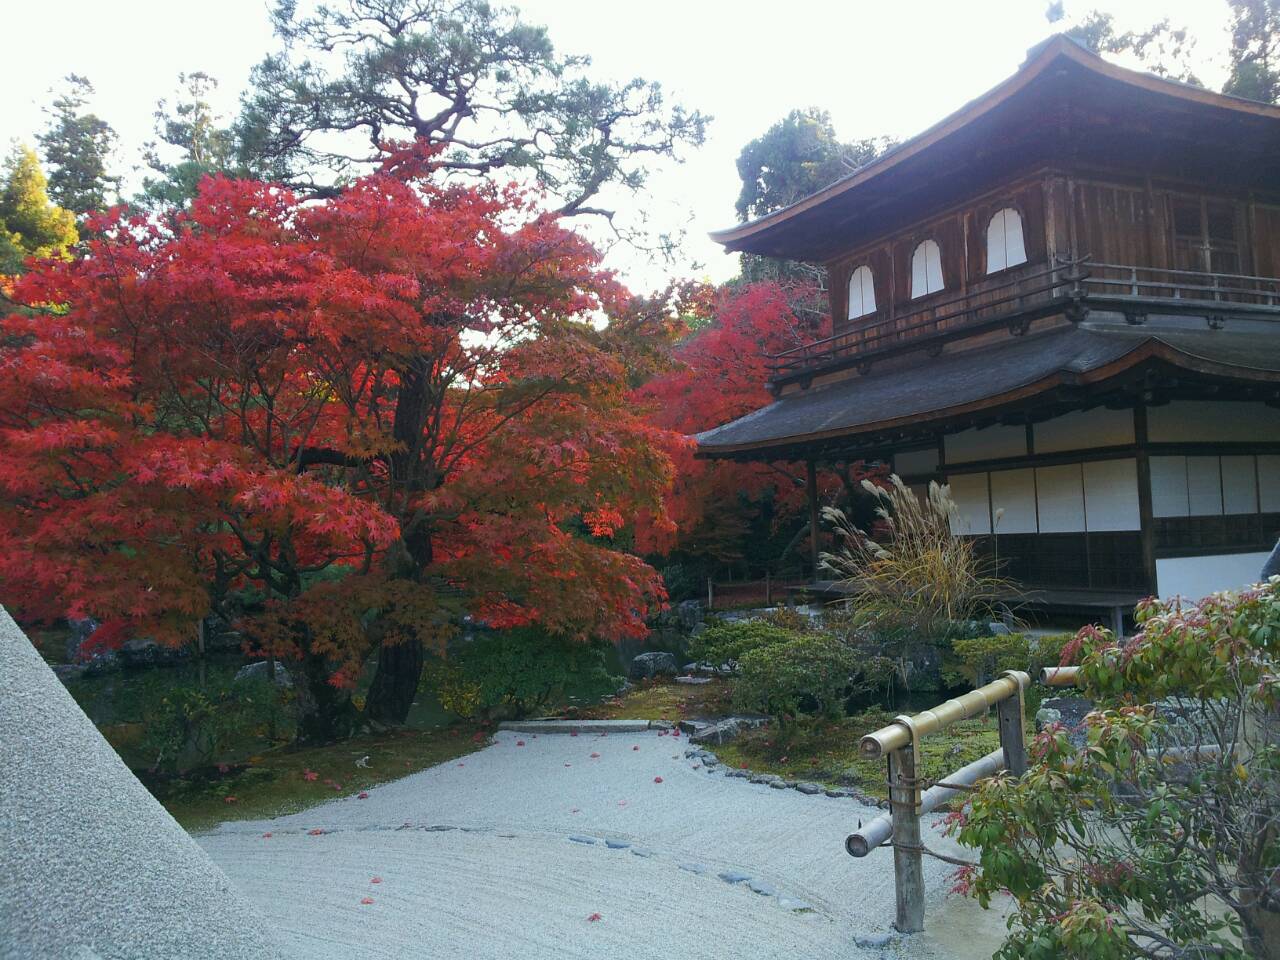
x: 1158, y: 283
x: 1020, y: 296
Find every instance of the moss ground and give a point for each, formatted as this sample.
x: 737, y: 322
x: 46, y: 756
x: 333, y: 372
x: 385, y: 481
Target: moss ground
x: 278, y: 781
x: 661, y: 700
x: 828, y: 753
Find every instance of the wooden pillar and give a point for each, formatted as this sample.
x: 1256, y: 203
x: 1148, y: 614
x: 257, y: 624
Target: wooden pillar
x: 1013, y: 739
x: 811, y: 485
x: 908, y: 867
x: 1145, y: 518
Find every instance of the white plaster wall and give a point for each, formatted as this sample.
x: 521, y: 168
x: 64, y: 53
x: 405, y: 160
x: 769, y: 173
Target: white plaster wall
x: 1239, y: 485
x: 1014, y: 492
x: 1085, y: 429
x: 973, y: 508
x: 1111, y: 495
x: 1212, y: 421
x: 1196, y: 577
x: 1060, y: 498
x: 991, y: 443
x: 1269, y: 483
x: 911, y: 462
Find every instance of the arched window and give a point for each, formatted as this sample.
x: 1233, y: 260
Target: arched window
x: 862, y: 293
x: 926, y: 269
x: 1005, y: 247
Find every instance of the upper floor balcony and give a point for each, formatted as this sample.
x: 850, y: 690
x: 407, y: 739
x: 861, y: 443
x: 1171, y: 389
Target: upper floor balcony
x: 1015, y: 298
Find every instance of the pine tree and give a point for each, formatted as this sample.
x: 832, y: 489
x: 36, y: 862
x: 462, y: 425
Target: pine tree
x: 77, y: 146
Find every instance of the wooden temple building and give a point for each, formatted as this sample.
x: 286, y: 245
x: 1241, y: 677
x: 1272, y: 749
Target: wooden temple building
x: 1064, y: 301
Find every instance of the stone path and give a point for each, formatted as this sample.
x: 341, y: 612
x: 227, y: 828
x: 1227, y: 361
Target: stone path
x: 512, y: 851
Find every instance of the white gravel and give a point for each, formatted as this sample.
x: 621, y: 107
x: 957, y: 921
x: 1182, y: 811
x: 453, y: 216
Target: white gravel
x: 502, y: 878
x: 91, y: 867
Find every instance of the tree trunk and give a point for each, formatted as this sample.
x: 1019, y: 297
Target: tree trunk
x: 395, y: 682
x: 325, y: 713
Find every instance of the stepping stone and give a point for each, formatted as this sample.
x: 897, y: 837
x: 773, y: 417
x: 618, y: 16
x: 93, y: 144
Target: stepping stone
x: 439, y: 828
x: 763, y: 887
x: 796, y: 906
x: 710, y: 761
x: 474, y: 829
x: 617, y: 844
x: 577, y: 838
x: 734, y: 876
x: 698, y: 868
x: 809, y: 788
x: 642, y: 852
x: 874, y: 940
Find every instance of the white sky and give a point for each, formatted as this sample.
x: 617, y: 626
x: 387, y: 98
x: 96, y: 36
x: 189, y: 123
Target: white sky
x: 884, y: 67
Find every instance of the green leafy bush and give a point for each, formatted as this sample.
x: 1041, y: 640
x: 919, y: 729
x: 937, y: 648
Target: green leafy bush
x: 1132, y: 847
x: 730, y: 641
x: 981, y: 659
x: 191, y: 727
x: 808, y: 674
x: 515, y: 672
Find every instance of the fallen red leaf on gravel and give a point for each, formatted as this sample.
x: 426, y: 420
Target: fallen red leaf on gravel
x: 362, y: 795
x: 594, y: 918
x: 375, y: 879
x: 573, y: 733
x: 266, y: 836
x: 316, y: 832
x: 519, y: 743
x: 657, y: 779
x: 635, y: 748
x: 595, y: 756
x: 366, y: 900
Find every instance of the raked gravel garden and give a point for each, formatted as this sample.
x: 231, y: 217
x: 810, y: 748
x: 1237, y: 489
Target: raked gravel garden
x: 600, y: 841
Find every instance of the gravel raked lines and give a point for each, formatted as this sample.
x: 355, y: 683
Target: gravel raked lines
x: 510, y: 855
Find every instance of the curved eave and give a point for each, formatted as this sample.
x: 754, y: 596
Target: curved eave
x: 1152, y: 349
x: 740, y: 237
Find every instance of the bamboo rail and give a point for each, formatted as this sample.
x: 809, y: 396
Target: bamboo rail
x: 907, y: 803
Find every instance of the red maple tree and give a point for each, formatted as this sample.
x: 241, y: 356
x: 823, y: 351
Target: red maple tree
x: 721, y: 372
x: 363, y: 409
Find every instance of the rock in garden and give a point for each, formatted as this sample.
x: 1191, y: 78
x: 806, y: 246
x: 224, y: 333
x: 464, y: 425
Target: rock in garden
x: 734, y: 876
x: 653, y: 664
x: 1068, y: 711
x: 693, y: 681
x: 258, y: 672
x: 765, y: 778
x: 725, y: 730
x: 809, y: 788
x: 763, y: 887
x: 874, y: 940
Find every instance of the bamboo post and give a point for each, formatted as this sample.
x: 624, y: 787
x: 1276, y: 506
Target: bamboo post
x: 908, y: 868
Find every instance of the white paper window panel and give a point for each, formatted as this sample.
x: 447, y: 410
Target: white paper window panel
x: 992, y: 443
x: 926, y: 269
x: 1005, y: 247
x: 862, y: 293
x: 1269, y: 482
x: 1111, y: 495
x: 1239, y: 485
x: 911, y: 462
x: 1014, y: 492
x: 1204, y: 486
x: 1084, y: 430
x: 973, y: 508
x: 1060, y: 498
x: 1212, y: 421
x: 1197, y: 577
x: 1169, y: 487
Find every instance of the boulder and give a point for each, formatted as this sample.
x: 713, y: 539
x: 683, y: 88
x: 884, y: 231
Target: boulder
x: 145, y: 652
x: 258, y: 671
x: 1068, y: 711
x: 725, y: 730
x: 653, y: 664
